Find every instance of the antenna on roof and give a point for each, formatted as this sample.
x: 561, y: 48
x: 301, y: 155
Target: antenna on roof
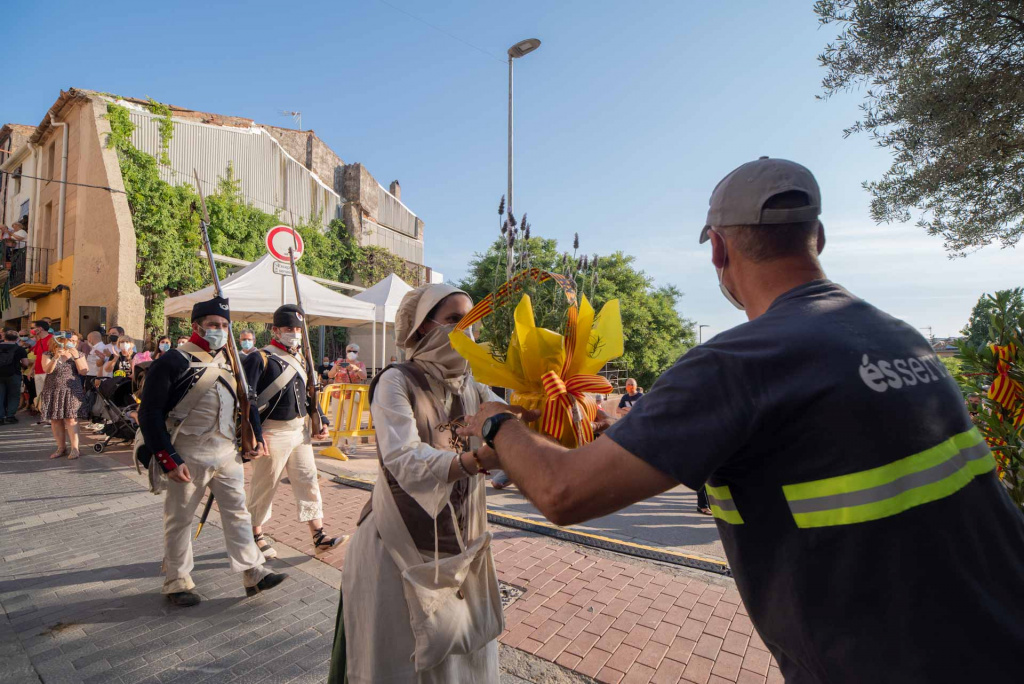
x: 295, y: 115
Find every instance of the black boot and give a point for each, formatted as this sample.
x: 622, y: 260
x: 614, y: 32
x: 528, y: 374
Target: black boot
x: 183, y: 599
x: 268, y: 582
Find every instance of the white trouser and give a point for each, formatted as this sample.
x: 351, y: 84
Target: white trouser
x: 227, y: 483
x: 39, y: 379
x: 290, y: 446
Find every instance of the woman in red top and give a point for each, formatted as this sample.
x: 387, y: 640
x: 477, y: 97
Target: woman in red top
x: 349, y: 369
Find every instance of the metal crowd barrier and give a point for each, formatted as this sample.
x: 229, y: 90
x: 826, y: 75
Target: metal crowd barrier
x: 347, y: 418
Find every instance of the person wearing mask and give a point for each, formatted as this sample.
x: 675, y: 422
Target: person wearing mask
x: 324, y: 368
x: 630, y: 398
x: 181, y: 341
x: 349, y: 369
x: 62, y: 395
x: 42, y: 338
x: 187, y: 417
x: 120, y: 364
x: 429, y: 481
x: 115, y: 333
x: 98, y: 354
x: 247, y: 342
x: 163, y: 345
x: 846, y: 479
x: 278, y: 374
x: 13, y: 360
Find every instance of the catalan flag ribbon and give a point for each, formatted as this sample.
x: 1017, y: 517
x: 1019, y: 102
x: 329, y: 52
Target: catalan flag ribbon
x: 1004, y: 390
x: 544, y: 369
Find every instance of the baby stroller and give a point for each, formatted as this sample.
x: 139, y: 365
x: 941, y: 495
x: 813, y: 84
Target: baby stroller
x: 117, y: 402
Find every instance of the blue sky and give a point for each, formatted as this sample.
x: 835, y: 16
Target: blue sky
x: 626, y: 118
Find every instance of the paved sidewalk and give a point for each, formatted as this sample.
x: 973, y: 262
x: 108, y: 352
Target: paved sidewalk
x: 79, y: 581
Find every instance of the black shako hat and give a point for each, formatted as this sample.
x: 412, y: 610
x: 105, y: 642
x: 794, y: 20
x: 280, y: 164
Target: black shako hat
x: 288, y: 316
x: 218, y: 306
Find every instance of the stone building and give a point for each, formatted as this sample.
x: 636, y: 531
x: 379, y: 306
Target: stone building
x: 77, y: 263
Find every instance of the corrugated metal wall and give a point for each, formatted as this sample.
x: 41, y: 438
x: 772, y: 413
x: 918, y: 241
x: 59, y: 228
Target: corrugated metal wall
x: 395, y: 242
x: 270, y: 180
x: 393, y: 214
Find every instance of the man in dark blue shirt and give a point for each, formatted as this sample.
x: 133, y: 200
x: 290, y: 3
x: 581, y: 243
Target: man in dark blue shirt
x: 860, y: 510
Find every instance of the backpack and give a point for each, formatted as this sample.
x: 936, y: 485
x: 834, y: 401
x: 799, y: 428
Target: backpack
x: 8, y: 362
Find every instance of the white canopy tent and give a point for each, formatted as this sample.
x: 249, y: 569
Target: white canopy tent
x: 265, y: 284
x: 385, y: 296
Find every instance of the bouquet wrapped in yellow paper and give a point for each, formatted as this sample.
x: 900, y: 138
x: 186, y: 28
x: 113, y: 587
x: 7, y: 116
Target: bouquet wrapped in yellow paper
x: 544, y: 369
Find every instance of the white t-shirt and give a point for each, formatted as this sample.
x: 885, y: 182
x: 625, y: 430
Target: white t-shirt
x: 97, y: 356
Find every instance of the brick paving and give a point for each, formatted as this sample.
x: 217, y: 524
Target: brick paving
x: 608, y: 619
x: 80, y: 580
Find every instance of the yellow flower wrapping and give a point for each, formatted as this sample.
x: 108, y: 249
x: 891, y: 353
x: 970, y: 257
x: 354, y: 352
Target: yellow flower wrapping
x: 545, y: 370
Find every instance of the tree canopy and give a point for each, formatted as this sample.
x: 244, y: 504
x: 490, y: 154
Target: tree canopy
x: 1005, y: 303
x: 945, y: 95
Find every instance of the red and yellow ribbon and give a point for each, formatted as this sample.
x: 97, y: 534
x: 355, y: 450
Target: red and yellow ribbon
x: 1004, y: 390
x: 546, y: 370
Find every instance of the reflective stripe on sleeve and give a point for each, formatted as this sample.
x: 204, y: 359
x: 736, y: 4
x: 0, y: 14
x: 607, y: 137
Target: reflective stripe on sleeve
x: 722, y: 505
x: 893, y: 488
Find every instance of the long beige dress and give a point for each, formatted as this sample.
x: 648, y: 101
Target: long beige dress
x: 379, y: 638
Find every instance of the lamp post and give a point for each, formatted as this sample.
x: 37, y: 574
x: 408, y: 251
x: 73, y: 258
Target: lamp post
x: 700, y: 333
x: 520, y: 49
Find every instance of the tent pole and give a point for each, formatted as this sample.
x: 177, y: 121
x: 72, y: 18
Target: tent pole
x: 373, y: 343
x: 323, y: 333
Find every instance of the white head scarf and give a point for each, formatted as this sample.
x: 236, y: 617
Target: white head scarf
x: 432, y: 352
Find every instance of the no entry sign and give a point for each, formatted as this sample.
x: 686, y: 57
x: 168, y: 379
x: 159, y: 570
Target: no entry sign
x: 280, y: 239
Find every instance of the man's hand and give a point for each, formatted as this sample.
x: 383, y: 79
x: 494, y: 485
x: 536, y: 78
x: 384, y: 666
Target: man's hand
x: 475, y: 423
x: 260, y: 451
x: 180, y: 474
x: 322, y: 435
x: 488, y: 457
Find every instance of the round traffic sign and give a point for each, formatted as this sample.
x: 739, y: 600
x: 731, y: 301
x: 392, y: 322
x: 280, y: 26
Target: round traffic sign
x: 282, y: 238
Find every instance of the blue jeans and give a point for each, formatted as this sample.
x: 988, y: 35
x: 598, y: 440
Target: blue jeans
x: 10, y: 395
x: 499, y: 478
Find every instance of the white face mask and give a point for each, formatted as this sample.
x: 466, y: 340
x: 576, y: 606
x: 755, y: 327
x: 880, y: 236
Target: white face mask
x: 725, y: 291
x: 352, y: 356
x: 292, y: 340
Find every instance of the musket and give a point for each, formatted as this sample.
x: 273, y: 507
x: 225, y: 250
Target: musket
x: 247, y: 435
x: 312, y: 402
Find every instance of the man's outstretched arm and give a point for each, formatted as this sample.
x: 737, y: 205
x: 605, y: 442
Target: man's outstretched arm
x: 568, y: 486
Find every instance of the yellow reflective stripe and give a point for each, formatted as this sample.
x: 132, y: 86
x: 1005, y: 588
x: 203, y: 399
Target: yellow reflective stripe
x: 722, y: 505
x: 884, y: 474
x: 893, y: 488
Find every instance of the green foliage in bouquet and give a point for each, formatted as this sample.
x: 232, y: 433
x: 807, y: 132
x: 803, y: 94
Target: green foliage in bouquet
x: 993, y: 380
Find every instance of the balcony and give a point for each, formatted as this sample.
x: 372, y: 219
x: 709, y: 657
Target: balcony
x: 30, y: 272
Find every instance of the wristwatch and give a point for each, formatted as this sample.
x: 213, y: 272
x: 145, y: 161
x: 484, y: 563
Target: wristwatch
x: 491, y: 426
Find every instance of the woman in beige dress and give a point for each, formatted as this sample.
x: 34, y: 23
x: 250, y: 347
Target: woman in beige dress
x: 425, y: 467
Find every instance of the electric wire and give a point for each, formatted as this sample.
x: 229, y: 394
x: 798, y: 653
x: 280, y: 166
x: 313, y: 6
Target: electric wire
x: 441, y: 30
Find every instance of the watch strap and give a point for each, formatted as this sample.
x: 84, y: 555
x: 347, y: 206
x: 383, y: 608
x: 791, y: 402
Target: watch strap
x: 492, y: 424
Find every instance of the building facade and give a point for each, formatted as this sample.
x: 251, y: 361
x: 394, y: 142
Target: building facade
x: 77, y: 261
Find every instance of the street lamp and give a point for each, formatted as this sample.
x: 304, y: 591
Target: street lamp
x: 520, y: 49
x: 700, y: 333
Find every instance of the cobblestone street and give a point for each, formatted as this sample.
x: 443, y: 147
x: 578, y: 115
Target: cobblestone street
x: 80, y: 544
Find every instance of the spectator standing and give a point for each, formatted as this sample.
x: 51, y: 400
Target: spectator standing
x: 62, y: 395
x: 13, y: 360
x: 163, y: 345
x: 349, y: 369
x: 630, y: 398
x: 324, y: 368
x: 120, y: 364
x: 181, y: 341
x: 42, y: 336
x: 28, y: 375
x: 247, y: 342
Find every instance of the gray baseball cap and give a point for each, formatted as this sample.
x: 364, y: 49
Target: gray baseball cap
x: 739, y: 198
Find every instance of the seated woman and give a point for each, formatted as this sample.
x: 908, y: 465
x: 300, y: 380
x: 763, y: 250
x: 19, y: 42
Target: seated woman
x: 425, y: 467
x: 121, y: 363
